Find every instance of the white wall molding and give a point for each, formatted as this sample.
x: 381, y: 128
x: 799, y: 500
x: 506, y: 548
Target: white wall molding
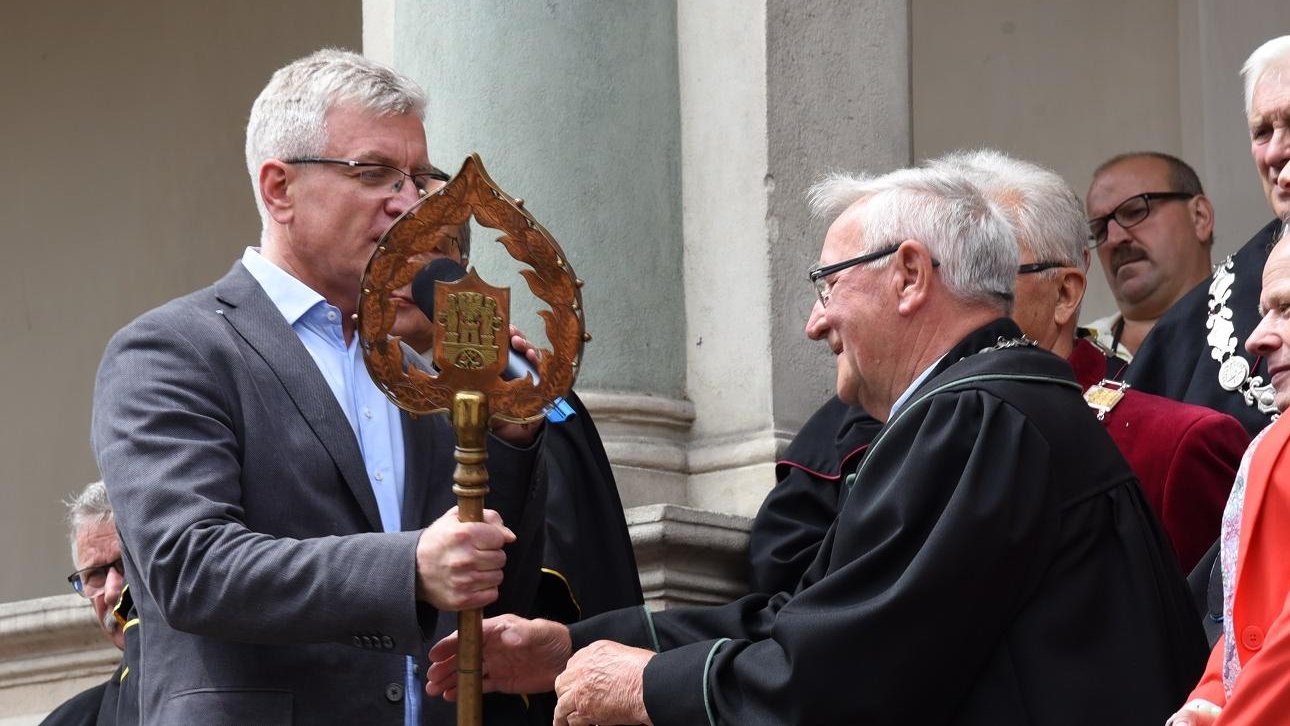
x: 688, y: 556
x: 646, y: 438
x: 50, y: 649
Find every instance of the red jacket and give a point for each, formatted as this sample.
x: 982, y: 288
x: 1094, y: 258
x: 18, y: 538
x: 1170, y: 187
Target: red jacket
x: 1185, y: 456
x: 1261, y: 608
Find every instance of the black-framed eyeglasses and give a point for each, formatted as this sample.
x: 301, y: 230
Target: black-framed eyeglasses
x: 385, y: 177
x: 824, y: 287
x: 1032, y: 267
x: 90, y: 581
x: 1128, y: 213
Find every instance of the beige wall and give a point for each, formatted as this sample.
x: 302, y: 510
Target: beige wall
x: 1069, y: 84
x: 122, y: 186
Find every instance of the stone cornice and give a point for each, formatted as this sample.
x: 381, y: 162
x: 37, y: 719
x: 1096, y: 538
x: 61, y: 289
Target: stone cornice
x: 688, y: 556
x: 51, y: 639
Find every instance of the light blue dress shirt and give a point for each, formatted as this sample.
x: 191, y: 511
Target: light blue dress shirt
x: 376, y: 422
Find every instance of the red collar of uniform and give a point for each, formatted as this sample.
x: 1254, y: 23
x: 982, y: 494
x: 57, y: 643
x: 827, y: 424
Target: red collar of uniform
x: 1088, y: 362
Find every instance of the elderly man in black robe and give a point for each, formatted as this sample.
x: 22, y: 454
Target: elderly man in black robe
x: 994, y: 560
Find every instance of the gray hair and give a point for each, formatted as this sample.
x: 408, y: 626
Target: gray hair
x: 1046, y: 215
x: 90, y: 507
x: 1273, y: 56
x: 288, y: 119
x: 945, y: 211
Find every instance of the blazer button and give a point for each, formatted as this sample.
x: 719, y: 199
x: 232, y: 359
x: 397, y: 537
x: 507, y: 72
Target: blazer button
x: 1252, y: 637
x: 387, y: 642
x: 393, y: 692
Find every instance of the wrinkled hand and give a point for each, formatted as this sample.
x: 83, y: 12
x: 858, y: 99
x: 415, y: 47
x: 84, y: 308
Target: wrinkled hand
x: 520, y: 656
x: 518, y: 435
x: 1195, y: 713
x: 603, y: 684
x: 459, y: 564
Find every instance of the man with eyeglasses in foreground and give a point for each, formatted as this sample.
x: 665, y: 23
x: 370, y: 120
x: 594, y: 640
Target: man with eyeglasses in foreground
x: 99, y: 578
x: 1194, y: 353
x: 289, y: 533
x: 1153, y: 228
x: 1184, y: 456
x: 993, y: 562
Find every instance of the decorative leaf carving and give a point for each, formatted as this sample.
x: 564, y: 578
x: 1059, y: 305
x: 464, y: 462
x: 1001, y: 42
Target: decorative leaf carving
x: 401, y: 254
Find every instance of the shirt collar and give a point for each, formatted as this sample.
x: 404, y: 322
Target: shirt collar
x: 292, y: 297
x: 912, y: 387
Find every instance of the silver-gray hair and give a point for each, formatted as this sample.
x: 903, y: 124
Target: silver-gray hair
x: 1046, y: 215
x: 90, y: 507
x: 1271, y: 57
x: 961, y: 228
x: 288, y: 119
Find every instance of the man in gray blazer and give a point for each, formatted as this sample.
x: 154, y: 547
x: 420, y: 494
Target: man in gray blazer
x: 288, y: 529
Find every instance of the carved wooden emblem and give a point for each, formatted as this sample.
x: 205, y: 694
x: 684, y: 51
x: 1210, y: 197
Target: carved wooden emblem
x: 471, y: 317
x: 474, y: 325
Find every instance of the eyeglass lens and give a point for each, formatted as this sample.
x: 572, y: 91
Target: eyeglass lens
x: 388, y: 177
x: 91, y: 580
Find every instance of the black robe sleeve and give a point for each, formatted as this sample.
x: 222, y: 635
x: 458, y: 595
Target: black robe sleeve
x: 934, y: 570
x: 798, y: 511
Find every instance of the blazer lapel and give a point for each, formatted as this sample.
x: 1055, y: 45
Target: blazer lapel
x: 252, y: 314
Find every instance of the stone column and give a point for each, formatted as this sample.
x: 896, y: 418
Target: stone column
x: 667, y: 146
x: 574, y: 106
x: 774, y: 94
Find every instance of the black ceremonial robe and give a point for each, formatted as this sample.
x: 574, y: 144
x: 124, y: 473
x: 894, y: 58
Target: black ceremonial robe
x: 994, y: 563
x: 1176, y: 360
x: 799, y: 510
x: 588, y: 565
x: 92, y: 707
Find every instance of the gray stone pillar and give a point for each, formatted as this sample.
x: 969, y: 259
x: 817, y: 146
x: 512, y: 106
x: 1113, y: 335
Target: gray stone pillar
x: 668, y: 145
x: 771, y: 100
x: 574, y: 106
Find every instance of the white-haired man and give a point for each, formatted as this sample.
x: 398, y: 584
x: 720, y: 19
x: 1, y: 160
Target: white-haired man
x: 1184, y: 456
x: 272, y: 503
x: 99, y: 578
x: 966, y: 578
x: 1194, y: 351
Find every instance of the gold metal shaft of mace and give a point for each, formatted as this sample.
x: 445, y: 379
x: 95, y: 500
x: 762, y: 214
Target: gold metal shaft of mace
x: 470, y: 484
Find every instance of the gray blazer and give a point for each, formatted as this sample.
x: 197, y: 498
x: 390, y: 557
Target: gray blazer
x: 266, y: 591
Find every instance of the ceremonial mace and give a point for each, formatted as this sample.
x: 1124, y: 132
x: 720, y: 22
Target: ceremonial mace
x: 472, y: 334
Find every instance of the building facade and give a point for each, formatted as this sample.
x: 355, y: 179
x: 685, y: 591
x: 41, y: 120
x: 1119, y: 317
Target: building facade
x: 666, y: 144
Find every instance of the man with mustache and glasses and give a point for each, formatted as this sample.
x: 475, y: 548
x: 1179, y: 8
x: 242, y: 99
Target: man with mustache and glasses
x: 99, y: 578
x: 1194, y: 352
x: 1153, y: 228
